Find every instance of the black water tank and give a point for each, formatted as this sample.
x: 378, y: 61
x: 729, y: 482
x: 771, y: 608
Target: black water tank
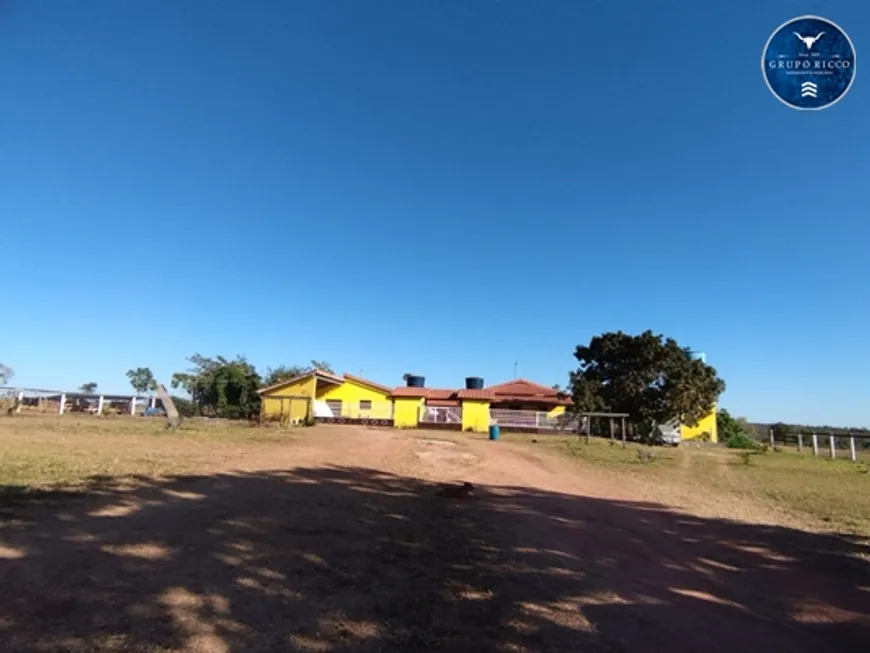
x: 473, y: 383
x: 416, y: 381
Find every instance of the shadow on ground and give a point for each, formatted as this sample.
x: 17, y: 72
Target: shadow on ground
x: 345, y: 559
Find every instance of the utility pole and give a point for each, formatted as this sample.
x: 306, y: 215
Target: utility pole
x: 515, y: 370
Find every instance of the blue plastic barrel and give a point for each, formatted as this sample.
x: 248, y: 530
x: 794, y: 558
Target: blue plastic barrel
x: 473, y: 383
x: 493, y: 431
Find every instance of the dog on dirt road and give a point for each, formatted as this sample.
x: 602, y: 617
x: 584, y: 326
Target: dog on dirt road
x: 463, y: 491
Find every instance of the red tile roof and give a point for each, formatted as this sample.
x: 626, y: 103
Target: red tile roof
x: 518, y: 390
x: 435, y: 393
x: 522, y: 387
x: 525, y: 390
x: 371, y: 384
x: 480, y: 395
x: 551, y: 399
x: 443, y: 403
x: 407, y: 391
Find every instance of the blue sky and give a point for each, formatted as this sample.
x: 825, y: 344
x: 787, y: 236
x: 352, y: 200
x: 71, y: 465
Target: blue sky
x: 439, y: 186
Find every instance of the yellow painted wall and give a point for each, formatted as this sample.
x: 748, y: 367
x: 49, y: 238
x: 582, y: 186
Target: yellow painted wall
x: 293, y: 409
x: 406, y: 412
x: 706, y: 425
x: 287, y: 409
x: 350, y: 393
x: 475, y: 416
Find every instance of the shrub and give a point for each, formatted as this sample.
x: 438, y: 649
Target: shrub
x: 184, y: 406
x: 745, y: 457
x: 646, y: 456
x: 741, y: 441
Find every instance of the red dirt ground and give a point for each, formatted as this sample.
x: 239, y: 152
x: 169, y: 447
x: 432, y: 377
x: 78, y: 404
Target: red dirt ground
x: 338, y: 544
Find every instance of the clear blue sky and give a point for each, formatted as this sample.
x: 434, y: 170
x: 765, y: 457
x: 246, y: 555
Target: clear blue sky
x: 438, y: 186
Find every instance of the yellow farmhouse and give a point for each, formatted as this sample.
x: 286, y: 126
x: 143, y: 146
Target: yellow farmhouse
x: 326, y: 396
x: 518, y: 405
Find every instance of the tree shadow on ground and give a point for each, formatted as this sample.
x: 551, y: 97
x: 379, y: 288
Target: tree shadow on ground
x: 350, y: 559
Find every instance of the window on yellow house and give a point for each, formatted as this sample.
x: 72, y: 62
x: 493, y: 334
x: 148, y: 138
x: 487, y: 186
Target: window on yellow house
x: 365, y: 404
x: 334, y: 407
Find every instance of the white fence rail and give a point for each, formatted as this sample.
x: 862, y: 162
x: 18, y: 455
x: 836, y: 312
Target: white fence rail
x: 530, y: 419
x: 441, y: 414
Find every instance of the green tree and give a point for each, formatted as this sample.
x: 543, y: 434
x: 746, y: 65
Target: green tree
x: 220, y: 387
x: 735, y: 432
x: 651, y: 378
x: 783, y: 433
x: 88, y: 388
x: 285, y: 372
x: 727, y: 426
x: 6, y: 373
x: 184, y: 406
x: 142, y: 380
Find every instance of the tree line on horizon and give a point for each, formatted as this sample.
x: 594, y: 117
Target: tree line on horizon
x: 647, y: 376
x: 219, y: 386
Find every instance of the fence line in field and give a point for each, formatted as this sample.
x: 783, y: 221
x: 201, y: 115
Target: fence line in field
x: 19, y: 398
x: 816, y: 441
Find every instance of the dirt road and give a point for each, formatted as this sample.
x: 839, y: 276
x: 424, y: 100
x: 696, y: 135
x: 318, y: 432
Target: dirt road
x: 338, y: 544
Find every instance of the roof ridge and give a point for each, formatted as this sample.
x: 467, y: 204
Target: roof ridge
x: 313, y: 370
x: 360, y: 379
x: 523, y: 381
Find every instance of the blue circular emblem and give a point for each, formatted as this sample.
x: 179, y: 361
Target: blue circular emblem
x: 809, y: 63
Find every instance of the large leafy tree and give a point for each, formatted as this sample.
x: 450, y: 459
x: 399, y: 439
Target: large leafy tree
x: 142, y: 380
x: 6, y: 373
x: 220, y: 387
x: 651, y: 378
x: 284, y: 372
x: 88, y: 388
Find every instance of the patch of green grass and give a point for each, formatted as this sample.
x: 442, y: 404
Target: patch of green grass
x: 69, y: 451
x: 600, y: 451
x: 836, y: 492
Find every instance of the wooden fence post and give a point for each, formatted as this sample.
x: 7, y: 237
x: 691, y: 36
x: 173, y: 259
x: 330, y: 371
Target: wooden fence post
x: 815, y: 444
x: 833, y: 444
x: 772, y: 441
x: 800, y: 442
x: 623, y: 433
x: 612, y: 436
x: 852, y: 448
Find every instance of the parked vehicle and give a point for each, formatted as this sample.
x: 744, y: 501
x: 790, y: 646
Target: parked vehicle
x: 666, y: 434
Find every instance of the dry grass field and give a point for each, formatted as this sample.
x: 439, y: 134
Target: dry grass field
x: 118, y: 535
x: 817, y: 493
